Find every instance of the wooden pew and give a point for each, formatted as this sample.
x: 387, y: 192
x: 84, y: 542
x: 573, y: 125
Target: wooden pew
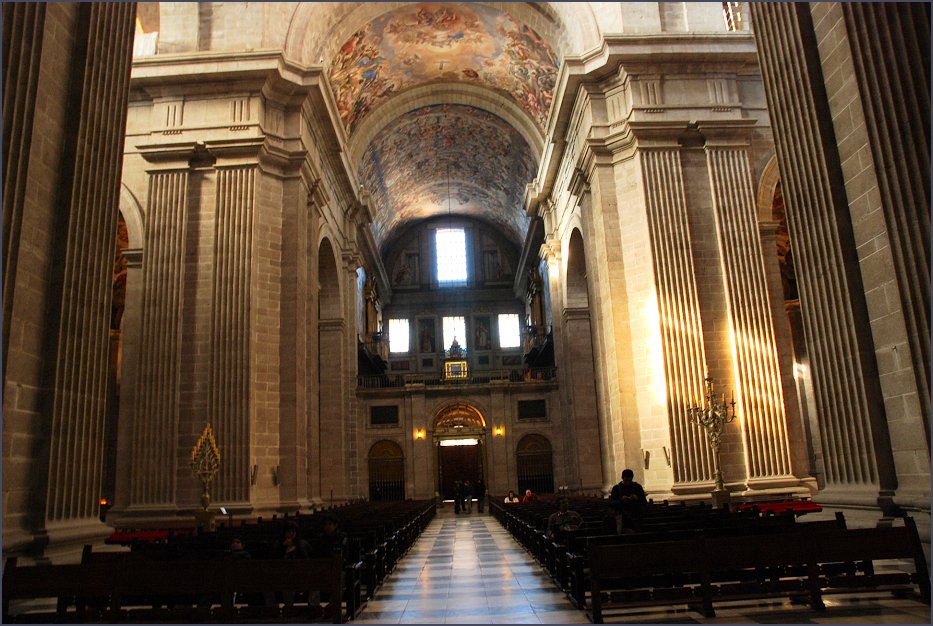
x: 801, y: 562
x: 192, y: 586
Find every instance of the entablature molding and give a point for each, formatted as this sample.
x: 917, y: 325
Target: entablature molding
x: 569, y: 313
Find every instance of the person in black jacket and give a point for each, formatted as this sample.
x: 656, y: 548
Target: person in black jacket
x: 291, y: 545
x: 480, y: 491
x: 628, y: 501
x: 330, y: 541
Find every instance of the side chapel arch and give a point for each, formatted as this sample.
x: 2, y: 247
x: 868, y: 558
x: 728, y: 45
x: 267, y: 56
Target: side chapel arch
x: 534, y: 460
x: 386, y: 471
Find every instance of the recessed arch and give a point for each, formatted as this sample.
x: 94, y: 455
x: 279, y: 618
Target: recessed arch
x: 458, y: 415
x: 329, y: 301
x: 133, y: 215
x: 386, y: 471
x: 534, y: 462
x: 577, y: 295
x: 770, y: 177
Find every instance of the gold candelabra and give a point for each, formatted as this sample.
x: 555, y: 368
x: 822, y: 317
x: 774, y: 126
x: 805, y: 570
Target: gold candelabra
x: 712, y: 417
x: 205, y: 463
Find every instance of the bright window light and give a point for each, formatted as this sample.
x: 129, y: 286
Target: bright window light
x: 458, y: 442
x: 510, y: 335
x: 398, y: 336
x: 454, y: 327
x: 451, y: 256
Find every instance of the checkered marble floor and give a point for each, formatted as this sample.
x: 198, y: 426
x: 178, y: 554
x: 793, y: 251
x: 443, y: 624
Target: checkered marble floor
x: 466, y: 569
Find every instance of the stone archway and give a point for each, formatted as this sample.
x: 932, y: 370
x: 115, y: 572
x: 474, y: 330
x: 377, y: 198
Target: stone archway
x: 460, y: 444
x: 386, y: 471
x: 328, y: 433
x: 534, y: 461
x: 580, y: 369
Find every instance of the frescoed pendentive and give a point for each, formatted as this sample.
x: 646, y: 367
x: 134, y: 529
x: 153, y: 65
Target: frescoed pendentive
x: 406, y: 168
x: 443, y: 42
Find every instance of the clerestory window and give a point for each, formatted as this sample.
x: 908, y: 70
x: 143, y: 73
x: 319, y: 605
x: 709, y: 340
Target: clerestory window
x: 451, y: 257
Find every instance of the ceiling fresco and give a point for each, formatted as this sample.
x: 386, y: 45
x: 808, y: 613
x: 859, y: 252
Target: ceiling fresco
x: 443, y: 42
x: 405, y: 169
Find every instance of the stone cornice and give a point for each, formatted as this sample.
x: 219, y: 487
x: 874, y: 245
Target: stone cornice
x: 726, y: 51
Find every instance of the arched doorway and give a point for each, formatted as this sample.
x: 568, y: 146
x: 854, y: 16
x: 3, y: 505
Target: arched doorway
x: 534, y: 460
x: 460, y: 439
x: 386, y: 471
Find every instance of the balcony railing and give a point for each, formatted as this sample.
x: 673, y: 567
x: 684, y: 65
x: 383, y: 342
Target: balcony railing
x: 430, y: 379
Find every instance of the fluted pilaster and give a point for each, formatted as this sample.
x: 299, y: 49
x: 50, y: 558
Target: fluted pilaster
x: 679, y: 311
x: 833, y: 311
x: 896, y: 98
x: 758, y: 380
x: 230, y: 330
x: 23, y: 25
x: 79, y: 407
x: 156, y: 426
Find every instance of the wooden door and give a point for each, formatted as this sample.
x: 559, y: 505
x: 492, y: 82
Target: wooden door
x: 459, y: 463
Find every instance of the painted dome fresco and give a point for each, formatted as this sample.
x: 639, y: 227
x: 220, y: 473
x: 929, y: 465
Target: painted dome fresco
x: 443, y: 43
x: 414, y: 161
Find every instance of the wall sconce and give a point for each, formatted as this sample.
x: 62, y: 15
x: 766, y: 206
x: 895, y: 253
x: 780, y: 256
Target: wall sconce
x: 253, y: 474
x: 498, y: 431
x: 419, y: 433
x: 275, y: 475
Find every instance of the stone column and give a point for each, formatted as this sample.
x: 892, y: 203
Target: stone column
x: 679, y: 314
x: 155, y: 424
x: 857, y: 458
x: 759, y: 391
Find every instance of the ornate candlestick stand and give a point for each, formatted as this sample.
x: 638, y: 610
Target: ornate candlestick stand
x: 713, y: 416
x: 205, y: 463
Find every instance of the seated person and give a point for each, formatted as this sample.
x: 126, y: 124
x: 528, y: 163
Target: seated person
x: 530, y: 497
x: 563, y: 520
x: 511, y: 498
x: 627, y: 500
x: 237, y: 551
x: 290, y: 545
x: 330, y: 541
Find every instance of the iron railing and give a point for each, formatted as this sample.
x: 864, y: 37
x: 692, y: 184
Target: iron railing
x: 430, y: 379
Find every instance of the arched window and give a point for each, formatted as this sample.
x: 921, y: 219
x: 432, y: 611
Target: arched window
x: 386, y: 471
x: 534, y: 459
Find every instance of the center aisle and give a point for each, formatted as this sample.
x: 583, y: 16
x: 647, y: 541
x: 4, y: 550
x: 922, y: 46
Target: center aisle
x: 466, y: 569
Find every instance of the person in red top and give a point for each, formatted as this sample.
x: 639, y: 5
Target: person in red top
x: 530, y: 497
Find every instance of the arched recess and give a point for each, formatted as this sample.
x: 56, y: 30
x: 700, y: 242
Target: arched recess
x: 576, y: 290
x: 460, y: 444
x: 458, y: 419
x: 789, y: 333
x: 580, y: 396
x: 330, y: 446
x: 534, y: 461
x: 386, y: 471
x: 124, y: 331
